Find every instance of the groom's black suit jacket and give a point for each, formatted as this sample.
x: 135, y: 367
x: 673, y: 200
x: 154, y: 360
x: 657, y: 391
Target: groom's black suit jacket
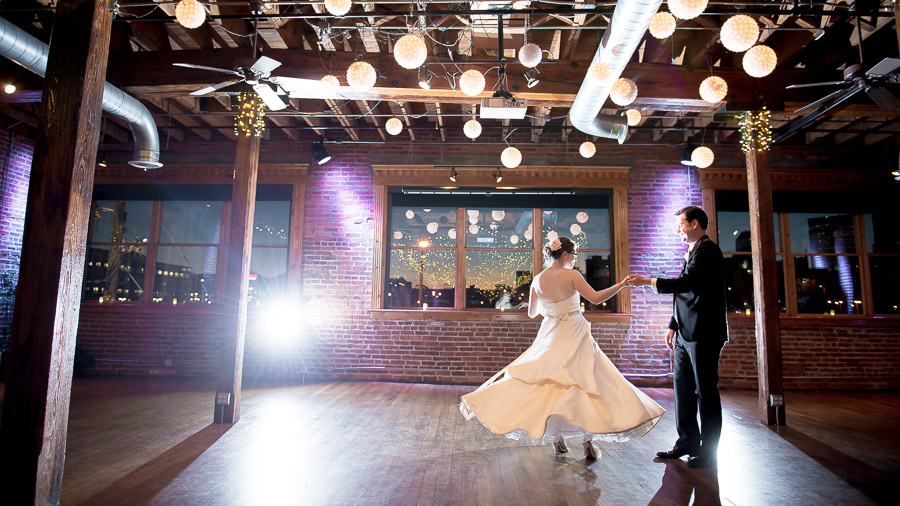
x: 699, y: 295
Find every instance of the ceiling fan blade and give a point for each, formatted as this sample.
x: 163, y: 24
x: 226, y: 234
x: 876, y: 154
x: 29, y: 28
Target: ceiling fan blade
x: 296, y: 84
x: 265, y: 65
x: 810, y: 85
x: 822, y: 100
x: 884, y: 98
x: 839, y: 98
x: 215, y: 87
x: 268, y: 95
x: 884, y: 67
x: 204, y: 67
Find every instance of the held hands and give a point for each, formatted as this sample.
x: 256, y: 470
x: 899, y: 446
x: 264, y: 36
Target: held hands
x: 636, y: 280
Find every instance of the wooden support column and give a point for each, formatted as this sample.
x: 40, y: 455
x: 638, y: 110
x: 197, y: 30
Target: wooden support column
x: 237, y: 274
x: 765, y: 287
x: 48, y: 298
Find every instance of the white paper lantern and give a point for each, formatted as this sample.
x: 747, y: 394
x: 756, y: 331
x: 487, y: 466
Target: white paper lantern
x: 498, y: 214
x: 582, y: 217
x: 432, y: 227
x: 472, y: 129
x: 471, y: 82
x: 511, y: 157
x: 713, y: 89
x: 451, y: 233
x: 662, y: 25
x: 410, y: 51
x: 398, y: 235
x: 623, y: 92
x: 632, y: 117
x: 552, y: 236
x: 361, y: 76
x: 739, y: 33
x: 190, y: 13
x: 338, y: 7
x: 527, y: 235
x: 601, y: 71
x: 587, y: 149
x: 332, y: 81
x: 530, y: 55
x: 473, y: 229
x: 514, y: 239
x: 575, y: 229
x: 410, y: 214
x: 393, y: 126
x: 760, y: 61
x: 687, y: 9
x: 702, y: 157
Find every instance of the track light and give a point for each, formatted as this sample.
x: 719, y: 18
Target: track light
x: 531, y: 77
x: 425, y: 82
x: 453, y: 174
x: 321, y: 153
x: 686, y: 155
x: 498, y: 176
x: 101, y: 160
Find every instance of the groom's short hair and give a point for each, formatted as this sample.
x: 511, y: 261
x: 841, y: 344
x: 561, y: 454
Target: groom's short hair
x: 692, y: 213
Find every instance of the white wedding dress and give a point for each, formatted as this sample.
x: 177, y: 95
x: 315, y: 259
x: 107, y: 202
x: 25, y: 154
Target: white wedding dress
x: 563, y: 384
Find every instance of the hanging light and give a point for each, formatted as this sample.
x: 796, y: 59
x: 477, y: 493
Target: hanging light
x: 623, y: 92
x: 9, y: 88
x: 713, y: 89
x: 320, y: 153
x: 338, y: 7
x: 453, y: 174
x: 398, y: 235
x: 530, y: 55
x: 632, y: 117
x: 575, y: 229
x: 527, y: 234
x: 451, y: 233
x: 190, y: 13
x: 662, y: 25
x: 393, y: 126
x: 410, y: 51
x: 760, y: 61
x: 587, y: 149
x: 473, y: 229
x: 361, y: 76
x: 332, y: 81
x: 582, y: 217
x: 472, y: 129
x: 511, y: 157
x: 552, y: 235
x: 601, y: 71
x: 514, y: 239
x: 471, y: 82
x: 498, y: 214
x: 702, y: 157
x: 687, y: 9
x: 432, y: 227
x: 410, y: 214
x: 739, y: 33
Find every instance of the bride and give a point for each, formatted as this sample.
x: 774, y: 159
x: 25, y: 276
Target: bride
x: 563, y: 384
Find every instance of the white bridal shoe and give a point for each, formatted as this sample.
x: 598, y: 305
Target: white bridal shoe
x: 590, y: 451
x: 559, y: 444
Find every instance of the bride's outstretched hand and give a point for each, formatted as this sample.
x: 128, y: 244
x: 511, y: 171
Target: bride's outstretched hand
x: 636, y: 280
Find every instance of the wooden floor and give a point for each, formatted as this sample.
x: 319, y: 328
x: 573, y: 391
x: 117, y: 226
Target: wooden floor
x: 151, y: 442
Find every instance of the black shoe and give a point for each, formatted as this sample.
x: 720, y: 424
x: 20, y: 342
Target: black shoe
x: 674, y: 453
x: 701, y: 461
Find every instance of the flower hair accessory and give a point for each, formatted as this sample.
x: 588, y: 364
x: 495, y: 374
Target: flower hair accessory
x: 555, y: 244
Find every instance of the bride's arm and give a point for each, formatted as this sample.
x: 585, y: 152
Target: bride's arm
x: 592, y: 295
x: 534, y: 303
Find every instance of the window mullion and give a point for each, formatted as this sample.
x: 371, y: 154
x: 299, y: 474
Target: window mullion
x: 790, y: 280
x: 460, y: 278
x: 537, y: 240
x: 865, y: 276
x: 152, y: 245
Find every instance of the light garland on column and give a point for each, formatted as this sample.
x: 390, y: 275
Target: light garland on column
x: 251, y: 112
x: 755, y: 126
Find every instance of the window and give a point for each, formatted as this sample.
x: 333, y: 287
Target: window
x: 883, y: 248
x: 269, y: 256
x: 117, y: 250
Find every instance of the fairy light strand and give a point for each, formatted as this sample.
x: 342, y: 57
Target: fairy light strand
x: 251, y: 112
x: 755, y: 127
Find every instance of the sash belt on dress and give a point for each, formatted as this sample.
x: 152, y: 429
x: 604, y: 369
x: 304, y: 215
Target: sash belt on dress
x: 565, y: 316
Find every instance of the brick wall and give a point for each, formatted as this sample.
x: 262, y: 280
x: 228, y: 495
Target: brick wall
x: 15, y: 155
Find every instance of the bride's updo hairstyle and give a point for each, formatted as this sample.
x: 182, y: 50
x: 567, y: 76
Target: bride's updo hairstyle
x: 561, y: 245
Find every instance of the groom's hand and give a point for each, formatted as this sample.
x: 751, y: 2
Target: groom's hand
x: 670, y: 339
x: 637, y: 280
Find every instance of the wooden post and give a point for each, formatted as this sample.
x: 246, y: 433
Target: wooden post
x: 765, y: 288
x: 237, y: 274
x: 48, y: 298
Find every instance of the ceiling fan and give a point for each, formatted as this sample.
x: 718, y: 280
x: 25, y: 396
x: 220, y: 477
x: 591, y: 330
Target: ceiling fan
x: 258, y: 77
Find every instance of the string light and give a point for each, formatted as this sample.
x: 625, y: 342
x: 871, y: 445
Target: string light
x: 755, y: 127
x: 472, y: 82
x: 662, y: 25
x: 623, y: 92
x: 410, y: 51
x: 251, y: 111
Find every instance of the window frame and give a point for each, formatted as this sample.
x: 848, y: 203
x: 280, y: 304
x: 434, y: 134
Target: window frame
x: 523, y: 177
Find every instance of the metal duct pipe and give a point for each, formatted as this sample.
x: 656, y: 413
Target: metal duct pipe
x: 29, y: 52
x: 626, y: 29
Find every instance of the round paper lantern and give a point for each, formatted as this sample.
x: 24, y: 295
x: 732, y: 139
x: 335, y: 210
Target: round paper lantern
x: 514, y: 239
x: 498, y: 214
x: 601, y: 71
x: 687, y: 9
x: 338, y: 7
x: 410, y: 51
x: 662, y: 25
x: 189, y: 13
x: 739, y: 33
x: 527, y: 235
x: 575, y: 229
x: 530, y: 55
x: 511, y: 157
x: 398, y: 235
x: 713, y: 89
x: 552, y: 236
x: 410, y: 214
x: 472, y: 129
x: 471, y: 82
x: 393, y: 126
x: 332, y: 81
x: 702, y: 157
x: 760, y: 61
x: 451, y: 233
x: 587, y: 149
x: 473, y: 229
x: 432, y: 227
x: 473, y: 215
x: 632, y: 117
x: 582, y: 217
x: 623, y: 92
x: 361, y: 76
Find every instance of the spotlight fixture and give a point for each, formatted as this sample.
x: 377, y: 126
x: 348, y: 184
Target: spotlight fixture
x: 896, y: 175
x: 453, y: 174
x: 320, y: 153
x: 425, y: 82
x: 498, y: 176
x: 101, y: 160
x: 9, y: 88
x: 531, y: 77
x: 686, y: 155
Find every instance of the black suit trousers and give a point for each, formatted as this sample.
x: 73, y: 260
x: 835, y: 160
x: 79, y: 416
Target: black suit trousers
x: 697, y: 386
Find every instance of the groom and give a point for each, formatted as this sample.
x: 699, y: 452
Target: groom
x: 697, y: 333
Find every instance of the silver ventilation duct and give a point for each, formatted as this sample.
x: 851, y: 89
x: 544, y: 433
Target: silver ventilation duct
x: 626, y: 29
x: 29, y: 52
